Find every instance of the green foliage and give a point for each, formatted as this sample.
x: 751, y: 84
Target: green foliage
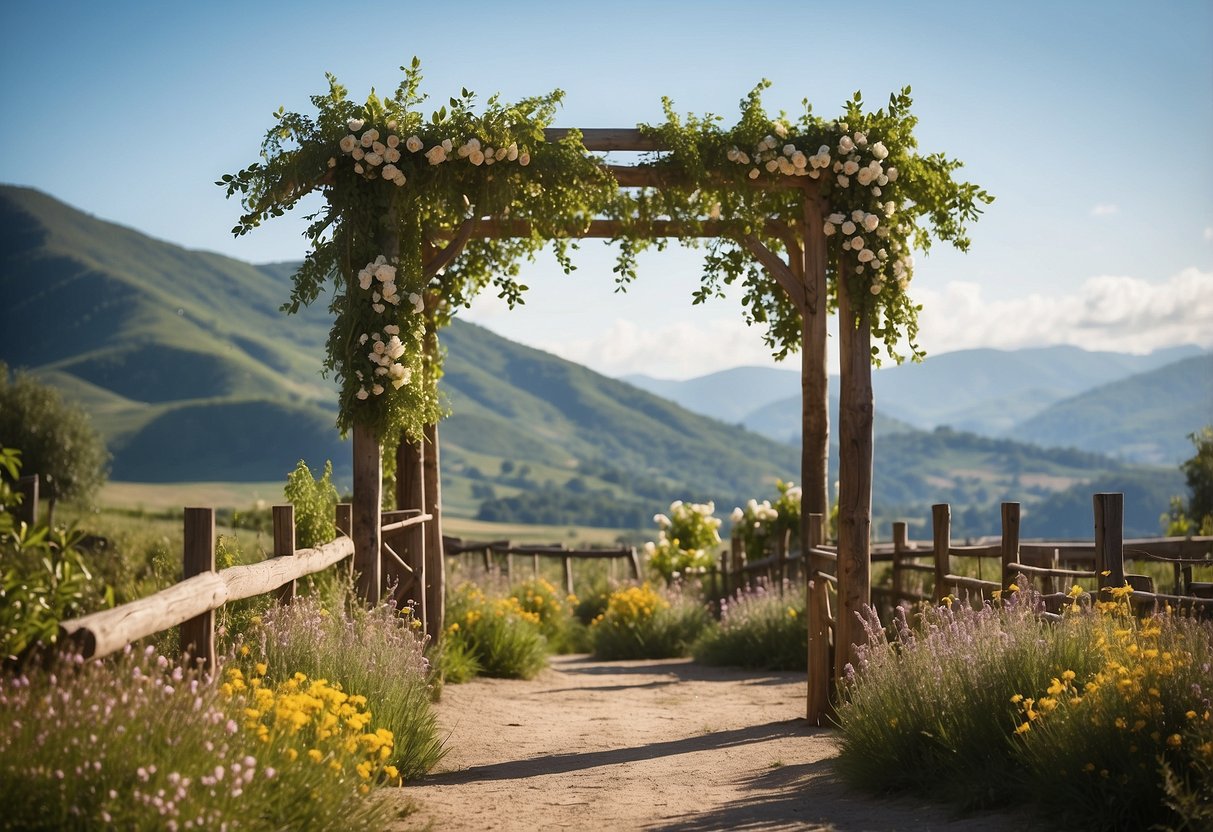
x: 997, y: 706
x: 376, y: 653
x: 762, y: 629
x: 57, y: 440
x: 687, y: 541
x: 315, y: 502
x: 1196, y: 517
x: 139, y: 743
x: 761, y: 524
x: 44, y: 578
x: 642, y: 623
x: 540, y: 597
x: 496, y: 635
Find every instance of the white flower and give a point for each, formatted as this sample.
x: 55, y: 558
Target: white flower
x: 837, y: 218
x: 413, y: 143
x: 857, y: 242
x: 850, y: 168
x: 753, y: 174
x: 393, y: 141
x: 332, y: 162
x: 875, y: 191
x: 364, y: 279
x: 857, y: 215
x: 392, y: 155
x: 417, y: 301
x: 379, y: 348
x: 892, y: 174
x: 771, y: 166
x: 366, y: 140
x: 661, y: 520
x: 828, y: 228
x: 358, y: 168
x: 882, y: 180
x: 524, y: 158
x: 781, y: 129
x: 866, y: 255
x: 511, y: 152
x: 378, y: 147
x: 390, y: 172
x: 377, y: 389
x: 358, y: 153
x: 743, y: 158
x: 875, y: 289
x: 476, y: 157
x: 843, y: 181
x: 355, y: 124
x: 361, y: 395
x: 737, y: 515
x: 447, y: 145
x: 786, y: 167
x: 399, y: 181
x: 861, y: 139
x: 362, y: 339
x: 394, y: 347
x: 870, y: 222
x: 397, y: 383
x: 845, y: 145
x: 848, y: 227
x: 436, y: 155
x: 348, y: 144
x: 378, y: 307
x: 880, y: 151
x: 374, y: 159
x: 865, y: 176
x: 789, y: 149
x: 800, y: 160
x: 374, y: 134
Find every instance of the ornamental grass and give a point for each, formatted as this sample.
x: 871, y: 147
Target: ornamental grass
x: 642, y: 623
x: 493, y: 637
x: 1100, y: 720
x: 137, y: 742
x: 759, y: 628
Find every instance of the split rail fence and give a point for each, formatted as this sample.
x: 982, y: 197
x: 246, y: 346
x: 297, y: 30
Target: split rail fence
x: 491, y: 551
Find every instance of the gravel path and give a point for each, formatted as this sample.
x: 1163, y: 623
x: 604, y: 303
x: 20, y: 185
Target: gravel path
x: 658, y: 745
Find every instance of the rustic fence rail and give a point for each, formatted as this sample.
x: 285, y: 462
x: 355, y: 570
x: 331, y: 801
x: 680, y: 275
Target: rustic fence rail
x: 491, y: 550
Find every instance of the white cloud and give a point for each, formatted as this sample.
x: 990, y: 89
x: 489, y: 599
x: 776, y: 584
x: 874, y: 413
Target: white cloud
x: 1208, y: 235
x: 1107, y: 312
x: 1104, y: 209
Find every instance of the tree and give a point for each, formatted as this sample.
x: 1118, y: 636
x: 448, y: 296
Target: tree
x: 1197, y: 515
x: 57, y: 440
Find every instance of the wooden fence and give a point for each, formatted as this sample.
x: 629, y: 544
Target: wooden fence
x: 191, y: 603
x: 490, y: 551
x: 1104, y: 561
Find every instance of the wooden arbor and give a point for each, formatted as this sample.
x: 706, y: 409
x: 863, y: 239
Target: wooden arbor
x: 801, y: 274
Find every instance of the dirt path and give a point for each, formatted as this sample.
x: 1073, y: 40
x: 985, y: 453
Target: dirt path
x: 663, y: 745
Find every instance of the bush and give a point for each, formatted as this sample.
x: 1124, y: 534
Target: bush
x: 686, y: 541
x: 57, y: 439
x: 499, y: 636
x: 759, y: 629
x: 376, y: 653
x: 563, y: 632
x: 1116, y: 711
x: 640, y: 623
x: 139, y: 743
x: 759, y: 525
x: 315, y: 502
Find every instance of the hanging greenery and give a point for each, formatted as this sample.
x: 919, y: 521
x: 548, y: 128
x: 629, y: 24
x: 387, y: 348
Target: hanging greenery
x: 402, y: 192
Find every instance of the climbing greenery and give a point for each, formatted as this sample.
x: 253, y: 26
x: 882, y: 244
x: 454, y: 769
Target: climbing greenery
x: 402, y: 191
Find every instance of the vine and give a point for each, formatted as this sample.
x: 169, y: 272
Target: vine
x: 402, y: 192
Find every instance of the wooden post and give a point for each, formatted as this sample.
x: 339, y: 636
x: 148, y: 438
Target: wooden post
x: 856, y: 408
x: 1109, y: 540
x: 781, y: 560
x: 635, y: 559
x: 941, y: 536
x: 197, y: 636
x: 284, y: 546
x: 568, y: 574
x: 27, y: 487
x: 535, y: 566
x: 900, y: 547
x: 810, y: 267
x: 509, y: 568
x: 1010, y: 542
x: 368, y: 502
x: 435, y: 558
x: 345, y: 526
x: 819, y: 651
x: 410, y: 494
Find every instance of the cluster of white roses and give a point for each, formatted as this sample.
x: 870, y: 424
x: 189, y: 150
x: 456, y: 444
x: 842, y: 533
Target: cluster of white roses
x: 373, y: 158
x: 788, y: 160
x: 756, y: 513
x: 475, y: 152
x: 861, y: 164
x: 386, y: 349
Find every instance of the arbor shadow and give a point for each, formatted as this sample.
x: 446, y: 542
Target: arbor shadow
x: 565, y: 763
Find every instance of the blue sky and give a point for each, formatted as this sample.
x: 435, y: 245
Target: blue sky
x: 1091, y: 122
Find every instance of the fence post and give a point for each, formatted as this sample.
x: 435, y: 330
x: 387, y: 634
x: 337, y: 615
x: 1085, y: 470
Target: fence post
x: 819, y: 651
x: 635, y: 558
x: 781, y: 558
x: 197, y: 636
x: 1010, y: 542
x: 941, y: 535
x: 568, y: 575
x: 284, y: 545
x: 900, y: 546
x: 27, y: 487
x: 345, y: 526
x: 1109, y: 540
x: 434, y: 575
x: 368, y: 519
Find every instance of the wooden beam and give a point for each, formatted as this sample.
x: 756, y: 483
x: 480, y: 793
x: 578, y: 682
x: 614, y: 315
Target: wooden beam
x: 854, y: 470
x: 785, y: 274
x: 601, y: 139
x: 410, y: 495
x: 368, y: 500
x: 496, y: 229
x: 435, y: 560
x: 941, y: 536
x: 1109, y: 509
x: 197, y: 634
x: 284, y: 545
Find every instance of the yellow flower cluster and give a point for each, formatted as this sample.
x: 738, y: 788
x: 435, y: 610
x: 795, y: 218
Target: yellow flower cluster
x: 633, y: 604
x: 540, y: 598
x: 313, y: 715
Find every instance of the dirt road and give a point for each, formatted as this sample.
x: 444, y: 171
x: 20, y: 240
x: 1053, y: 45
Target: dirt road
x: 657, y: 745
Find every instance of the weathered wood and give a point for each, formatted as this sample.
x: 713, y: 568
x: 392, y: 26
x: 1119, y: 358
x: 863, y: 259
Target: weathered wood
x: 634, y: 559
x: 819, y: 672
x: 601, y: 139
x: 855, y: 410
x: 787, y: 275
x: 284, y: 546
x: 1010, y: 541
x: 899, y: 548
x: 27, y: 487
x: 814, y: 372
x: 568, y: 574
x: 435, y: 560
x: 345, y: 526
x: 610, y: 229
x: 197, y: 634
x: 941, y: 532
x: 411, y: 541
x: 368, y: 499
x: 1109, y: 539
x: 102, y: 633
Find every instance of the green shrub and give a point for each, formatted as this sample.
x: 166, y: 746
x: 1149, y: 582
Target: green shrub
x: 641, y: 623
x: 498, y: 635
x: 376, y: 653
x: 759, y: 628
x: 315, y: 502
x: 686, y: 541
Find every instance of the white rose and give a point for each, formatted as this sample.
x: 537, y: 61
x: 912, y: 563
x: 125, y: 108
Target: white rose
x: 799, y: 160
x: 892, y: 174
x: 385, y: 273
x: 524, y: 158
x: 398, y: 382
x: 393, y: 141
x: 413, y: 143
x: 373, y: 159
x: 377, y: 389
x: 848, y: 227
x: 882, y: 180
x: 355, y: 124
x: 417, y: 301
x: 436, y: 155
x: 875, y: 191
x: 789, y: 149
x: 366, y: 140
x: 357, y: 153
x: 399, y: 181
x: 857, y: 215
x: 374, y: 134
x: 361, y: 395
x: 850, y: 168
x: 389, y: 171
x: 837, y: 218
x: 857, y: 242
x: 875, y: 289
x: 786, y: 167
x: 378, y: 307
x: 362, y: 338
x: 348, y: 144
x: 880, y: 151
x: 861, y: 139
x: 743, y: 158
x: 364, y: 281
x: 870, y: 222
x: 753, y: 174
x: 771, y: 166
x: 332, y: 162
x: 378, y: 147
x: 828, y: 228
x: 394, y: 347
x: 866, y: 255
x: 845, y: 145
x: 476, y: 157
x: 392, y: 155
x: 447, y: 145
x: 358, y: 168
x: 737, y: 516
x: 511, y: 152
x: 781, y: 129
x: 865, y: 176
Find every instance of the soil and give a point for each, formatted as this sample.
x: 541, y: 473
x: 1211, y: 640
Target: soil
x: 655, y: 745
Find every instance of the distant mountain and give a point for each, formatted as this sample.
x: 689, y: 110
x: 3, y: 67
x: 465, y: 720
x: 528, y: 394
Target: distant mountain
x: 728, y: 395
x: 1145, y: 417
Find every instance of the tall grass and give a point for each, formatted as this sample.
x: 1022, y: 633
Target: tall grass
x: 759, y: 628
x: 493, y: 637
x: 1101, y: 719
